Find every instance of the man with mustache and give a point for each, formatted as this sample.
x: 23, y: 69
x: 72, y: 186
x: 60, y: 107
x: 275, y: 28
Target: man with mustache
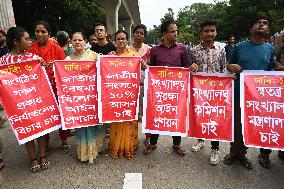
x: 252, y: 54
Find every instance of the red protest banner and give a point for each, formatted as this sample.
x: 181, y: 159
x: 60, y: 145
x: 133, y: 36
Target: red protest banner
x: 118, y: 88
x: 76, y: 83
x: 165, y: 101
x: 211, y: 107
x: 28, y: 100
x: 262, y: 109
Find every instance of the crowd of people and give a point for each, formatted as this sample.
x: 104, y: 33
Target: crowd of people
x: 208, y: 56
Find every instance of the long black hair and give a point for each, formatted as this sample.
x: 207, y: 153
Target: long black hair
x: 14, y: 34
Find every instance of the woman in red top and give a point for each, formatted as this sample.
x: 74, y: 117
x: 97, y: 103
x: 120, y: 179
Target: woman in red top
x: 49, y: 51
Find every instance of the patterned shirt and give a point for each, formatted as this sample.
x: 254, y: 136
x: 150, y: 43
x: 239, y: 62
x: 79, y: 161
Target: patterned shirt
x: 210, y: 60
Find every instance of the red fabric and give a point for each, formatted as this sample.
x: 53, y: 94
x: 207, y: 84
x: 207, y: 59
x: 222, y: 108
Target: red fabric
x: 52, y: 51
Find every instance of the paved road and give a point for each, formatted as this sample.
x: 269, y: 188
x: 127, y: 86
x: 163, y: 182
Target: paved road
x: 162, y: 169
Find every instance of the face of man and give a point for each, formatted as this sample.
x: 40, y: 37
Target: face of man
x: 93, y: 40
x: 260, y: 27
x: 232, y: 40
x: 171, y: 35
x: 208, y: 33
x: 100, y: 32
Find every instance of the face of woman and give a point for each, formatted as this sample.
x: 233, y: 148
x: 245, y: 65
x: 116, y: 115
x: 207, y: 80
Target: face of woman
x: 120, y: 40
x: 139, y: 35
x: 41, y: 34
x: 78, y: 41
x: 25, y: 42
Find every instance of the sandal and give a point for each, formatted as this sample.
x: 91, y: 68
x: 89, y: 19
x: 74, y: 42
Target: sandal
x: 65, y: 147
x: 44, y: 164
x: 149, y: 149
x: 179, y: 150
x: 229, y: 159
x: 2, y: 165
x: 36, y: 167
x: 264, y: 161
x: 245, y: 162
x: 147, y: 141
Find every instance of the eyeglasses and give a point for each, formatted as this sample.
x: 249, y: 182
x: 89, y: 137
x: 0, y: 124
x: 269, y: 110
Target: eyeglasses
x: 99, y: 30
x: 137, y: 33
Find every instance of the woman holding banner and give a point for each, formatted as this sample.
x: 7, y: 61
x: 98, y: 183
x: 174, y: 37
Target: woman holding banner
x: 142, y: 50
x: 49, y: 51
x: 123, y: 139
x: 89, y: 139
x: 18, y: 42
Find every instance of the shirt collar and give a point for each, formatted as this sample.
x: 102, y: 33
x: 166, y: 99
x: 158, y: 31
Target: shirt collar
x: 163, y: 45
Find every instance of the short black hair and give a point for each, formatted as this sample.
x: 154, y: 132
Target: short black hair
x: 45, y: 24
x: 140, y: 26
x: 208, y: 22
x: 165, y: 25
x: 14, y: 34
x: 262, y: 17
x: 99, y: 24
x: 121, y: 31
x: 62, y: 38
x: 230, y: 36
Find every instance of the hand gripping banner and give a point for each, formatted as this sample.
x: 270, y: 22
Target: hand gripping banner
x: 28, y: 100
x: 262, y: 109
x: 165, y: 101
x: 76, y: 83
x: 211, y: 107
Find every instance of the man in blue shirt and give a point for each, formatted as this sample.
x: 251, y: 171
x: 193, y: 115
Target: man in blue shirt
x: 252, y: 54
x: 230, y: 47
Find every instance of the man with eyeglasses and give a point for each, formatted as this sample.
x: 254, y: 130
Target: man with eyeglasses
x: 102, y: 46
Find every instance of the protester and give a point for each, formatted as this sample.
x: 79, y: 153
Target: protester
x: 230, y: 47
x: 123, y: 139
x: 171, y: 54
x: 89, y: 139
x: 209, y: 58
x: 3, y: 45
x: 109, y: 38
x: 49, y: 50
x: 62, y: 38
x: 102, y: 46
x: 252, y: 54
x: 93, y: 39
x: 19, y: 42
x: 142, y: 50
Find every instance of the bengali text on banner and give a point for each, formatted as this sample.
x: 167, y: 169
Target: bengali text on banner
x: 165, y: 101
x: 262, y: 109
x: 211, y: 106
x: 118, y: 88
x: 76, y: 83
x: 28, y: 100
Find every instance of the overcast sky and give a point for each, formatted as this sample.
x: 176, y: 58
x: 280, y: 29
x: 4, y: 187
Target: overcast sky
x: 151, y: 11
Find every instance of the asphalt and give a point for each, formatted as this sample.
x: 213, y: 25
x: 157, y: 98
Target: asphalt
x: 162, y: 169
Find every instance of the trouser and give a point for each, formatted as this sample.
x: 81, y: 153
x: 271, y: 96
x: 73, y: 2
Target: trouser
x: 265, y: 151
x: 63, y: 134
x: 238, y: 147
x: 154, y: 139
x: 214, y: 144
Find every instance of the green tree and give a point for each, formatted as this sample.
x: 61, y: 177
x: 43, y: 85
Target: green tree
x: 68, y: 15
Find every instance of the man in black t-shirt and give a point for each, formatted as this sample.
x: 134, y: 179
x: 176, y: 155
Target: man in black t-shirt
x: 102, y: 46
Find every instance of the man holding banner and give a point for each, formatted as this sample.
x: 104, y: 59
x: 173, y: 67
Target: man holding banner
x: 252, y: 54
x: 170, y: 54
x: 208, y: 58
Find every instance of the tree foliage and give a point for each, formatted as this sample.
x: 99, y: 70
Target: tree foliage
x: 67, y: 15
x: 234, y: 17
